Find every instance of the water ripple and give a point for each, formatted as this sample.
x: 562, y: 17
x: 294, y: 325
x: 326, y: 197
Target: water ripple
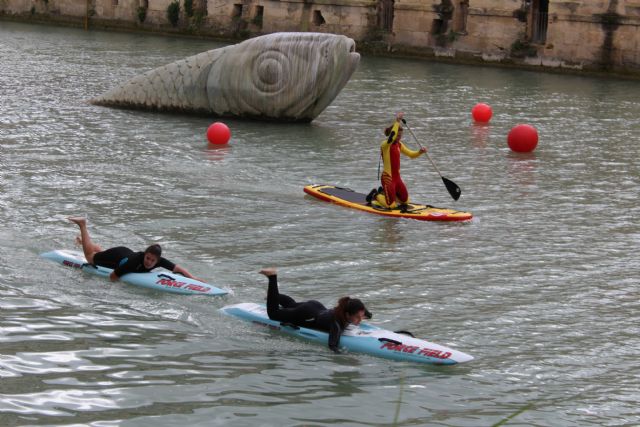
x: 541, y: 287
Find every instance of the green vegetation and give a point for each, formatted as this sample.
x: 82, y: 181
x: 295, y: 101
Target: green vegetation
x: 445, y: 39
x: 198, y: 17
x: 142, y: 13
x: 188, y: 8
x: 521, y: 48
x: 521, y: 13
x: 396, y: 416
x: 239, y: 27
x: 444, y: 9
x: 610, y: 19
x: 515, y: 414
x: 173, y: 12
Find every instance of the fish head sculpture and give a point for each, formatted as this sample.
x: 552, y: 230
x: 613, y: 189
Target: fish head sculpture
x: 280, y: 76
x: 292, y: 76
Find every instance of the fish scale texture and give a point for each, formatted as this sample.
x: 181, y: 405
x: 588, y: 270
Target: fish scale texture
x: 167, y: 87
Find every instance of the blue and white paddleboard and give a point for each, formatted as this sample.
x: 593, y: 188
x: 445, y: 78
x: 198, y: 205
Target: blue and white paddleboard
x: 365, y: 338
x: 159, y: 279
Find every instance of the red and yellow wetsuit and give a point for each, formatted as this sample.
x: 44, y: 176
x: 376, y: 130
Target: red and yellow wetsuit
x: 391, y: 180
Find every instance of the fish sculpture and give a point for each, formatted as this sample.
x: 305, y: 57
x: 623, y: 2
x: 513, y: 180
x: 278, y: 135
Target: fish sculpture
x: 280, y: 76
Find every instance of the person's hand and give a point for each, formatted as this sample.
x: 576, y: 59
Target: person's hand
x: 268, y: 271
x: 423, y: 149
x: 399, y: 116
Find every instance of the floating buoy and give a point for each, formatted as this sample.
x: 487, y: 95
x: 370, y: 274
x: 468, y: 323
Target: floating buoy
x: 523, y: 138
x: 218, y: 133
x: 481, y: 112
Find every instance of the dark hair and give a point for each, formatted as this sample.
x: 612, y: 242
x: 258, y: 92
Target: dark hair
x: 154, y: 249
x: 387, y: 131
x: 347, y: 306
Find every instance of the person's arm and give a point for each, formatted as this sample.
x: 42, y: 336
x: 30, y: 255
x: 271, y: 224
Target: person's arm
x: 411, y: 153
x: 184, y: 272
x: 334, y: 336
x: 165, y: 263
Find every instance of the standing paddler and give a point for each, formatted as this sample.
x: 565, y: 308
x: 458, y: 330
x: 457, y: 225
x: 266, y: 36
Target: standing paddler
x: 392, y: 185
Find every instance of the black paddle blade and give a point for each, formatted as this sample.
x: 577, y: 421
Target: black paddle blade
x: 452, y: 188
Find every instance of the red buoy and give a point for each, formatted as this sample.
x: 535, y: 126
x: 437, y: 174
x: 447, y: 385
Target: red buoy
x: 218, y: 133
x: 523, y: 138
x: 481, y: 112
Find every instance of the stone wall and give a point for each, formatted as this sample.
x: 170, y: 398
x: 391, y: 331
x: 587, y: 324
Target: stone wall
x: 349, y: 17
x: 593, y: 35
x: 488, y: 26
x: 577, y: 35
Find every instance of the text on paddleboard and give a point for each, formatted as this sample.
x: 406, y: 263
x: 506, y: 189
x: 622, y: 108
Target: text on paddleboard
x: 422, y: 351
x: 175, y: 284
x: 71, y: 264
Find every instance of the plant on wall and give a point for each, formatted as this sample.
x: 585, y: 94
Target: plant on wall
x: 142, y: 13
x: 188, y: 8
x: 522, y: 48
x: 444, y: 9
x: 173, y: 12
x: 522, y: 12
x: 198, y: 17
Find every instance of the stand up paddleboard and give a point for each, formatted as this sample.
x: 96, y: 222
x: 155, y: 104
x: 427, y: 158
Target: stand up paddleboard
x: 160, y: 279
x: 364, y: 338
x: 351, y: 199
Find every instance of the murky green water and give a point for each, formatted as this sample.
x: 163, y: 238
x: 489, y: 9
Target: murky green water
x: 542, y: 287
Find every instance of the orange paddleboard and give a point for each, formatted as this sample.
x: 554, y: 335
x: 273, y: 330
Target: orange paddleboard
x: 352, y: 199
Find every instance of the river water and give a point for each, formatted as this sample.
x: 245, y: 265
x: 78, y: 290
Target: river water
x: 541, y: 287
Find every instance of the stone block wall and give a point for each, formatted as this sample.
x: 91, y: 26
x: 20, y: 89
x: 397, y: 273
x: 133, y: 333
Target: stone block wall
x: 578, y: 34
x: 595, y: 34
x: 486, y: 27
x: 491, y: 31
x: 157, y: 12
x: 53, y: 7
x: 630, y: 47
x: 22, y: 6
x: 348, y: 17
x: 412, y: 23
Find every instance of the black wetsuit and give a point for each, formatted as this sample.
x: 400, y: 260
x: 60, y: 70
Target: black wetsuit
x: 309, y: 314
x: 123, y: 260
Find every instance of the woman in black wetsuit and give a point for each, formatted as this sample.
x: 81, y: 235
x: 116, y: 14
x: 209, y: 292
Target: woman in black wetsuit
x: 122, y: 259
x: 312, y: 314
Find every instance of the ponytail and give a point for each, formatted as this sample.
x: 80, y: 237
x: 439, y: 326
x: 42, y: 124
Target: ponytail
x: 347, y: 306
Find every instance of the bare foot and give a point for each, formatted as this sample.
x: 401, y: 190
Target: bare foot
x: 271, y: 271
x: 78, y: 220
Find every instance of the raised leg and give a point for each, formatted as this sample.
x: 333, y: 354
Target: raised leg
x: 88, y: 247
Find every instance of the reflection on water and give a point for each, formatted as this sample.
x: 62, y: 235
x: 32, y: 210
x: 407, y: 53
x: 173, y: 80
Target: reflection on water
x: 541, y: 287
x: 522, y: 168
x: 480, y: 133
x: 216, y: 153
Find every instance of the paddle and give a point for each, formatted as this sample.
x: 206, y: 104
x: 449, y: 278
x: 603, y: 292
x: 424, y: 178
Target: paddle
x: 452, y: 187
